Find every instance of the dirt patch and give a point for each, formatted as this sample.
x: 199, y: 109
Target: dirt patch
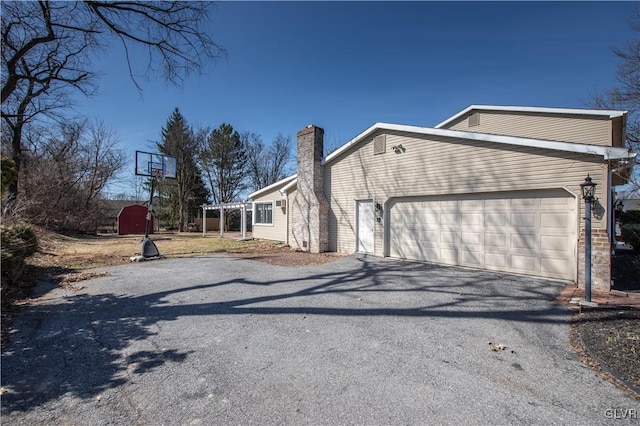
x: 608, y: 339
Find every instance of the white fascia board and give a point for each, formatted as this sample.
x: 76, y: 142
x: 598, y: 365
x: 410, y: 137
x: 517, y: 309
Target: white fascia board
x: 607, y: 152
x: 571, y: 111
x: 272, y: 186
x: 352, y: 142
x: 288, y: 186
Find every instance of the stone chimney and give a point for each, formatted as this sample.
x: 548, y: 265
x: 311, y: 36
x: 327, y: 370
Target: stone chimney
x: 310, y: 208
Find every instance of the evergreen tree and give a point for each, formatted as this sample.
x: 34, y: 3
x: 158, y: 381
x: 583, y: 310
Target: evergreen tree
x: 188, y: 190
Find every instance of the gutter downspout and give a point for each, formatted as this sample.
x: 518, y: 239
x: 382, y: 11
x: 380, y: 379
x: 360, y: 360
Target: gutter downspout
x: 285, y: 194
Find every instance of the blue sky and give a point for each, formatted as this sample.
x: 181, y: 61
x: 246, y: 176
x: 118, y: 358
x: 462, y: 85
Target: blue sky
x: 346, y: 65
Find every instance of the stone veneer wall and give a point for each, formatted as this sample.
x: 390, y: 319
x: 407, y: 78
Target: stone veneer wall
x: 600, y: 260
x: 310, y: 208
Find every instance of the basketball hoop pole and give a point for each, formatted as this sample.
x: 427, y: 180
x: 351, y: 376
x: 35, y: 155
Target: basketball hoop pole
x: 149, y: 207
x: 149, y: 249
x: 154, y: 166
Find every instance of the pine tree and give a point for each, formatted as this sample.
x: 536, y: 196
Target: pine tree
x: 188, y: 190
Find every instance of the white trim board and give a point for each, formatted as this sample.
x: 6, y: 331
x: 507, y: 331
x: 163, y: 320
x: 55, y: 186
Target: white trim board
x: 540, y: 110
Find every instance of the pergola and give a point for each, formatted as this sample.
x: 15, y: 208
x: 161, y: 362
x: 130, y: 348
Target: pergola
x: 243, y: 206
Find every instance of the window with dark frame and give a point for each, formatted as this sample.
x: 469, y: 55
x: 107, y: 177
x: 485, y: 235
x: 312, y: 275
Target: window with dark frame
x: 263, y: 213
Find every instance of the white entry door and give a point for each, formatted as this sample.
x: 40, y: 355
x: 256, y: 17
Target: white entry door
x: 366, y: 221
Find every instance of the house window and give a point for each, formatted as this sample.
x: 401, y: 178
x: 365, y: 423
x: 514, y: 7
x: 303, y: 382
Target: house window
x: 263, y: 213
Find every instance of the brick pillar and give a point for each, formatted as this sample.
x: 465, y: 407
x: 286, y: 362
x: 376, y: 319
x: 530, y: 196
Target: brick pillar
x: 600, y: 260
x: 310, y: 208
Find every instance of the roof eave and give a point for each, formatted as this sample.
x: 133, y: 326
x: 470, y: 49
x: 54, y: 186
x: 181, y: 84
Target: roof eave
x: 607, y: 152
x: 272, y: 186
x: 574, y: 111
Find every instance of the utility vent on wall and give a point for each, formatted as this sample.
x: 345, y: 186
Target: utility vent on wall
x: 474, y: 119
x: 281, y: 203
x: 379, y: 144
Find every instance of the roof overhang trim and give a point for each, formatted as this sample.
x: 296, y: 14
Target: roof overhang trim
x: 607, y: 152
x: 273, y: 186
x: 539, y: 110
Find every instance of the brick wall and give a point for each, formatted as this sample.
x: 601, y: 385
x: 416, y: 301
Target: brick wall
x: 600, y: 260
x: 310, y: 208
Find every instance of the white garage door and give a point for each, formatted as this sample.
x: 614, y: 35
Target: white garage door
x: 524, y: 232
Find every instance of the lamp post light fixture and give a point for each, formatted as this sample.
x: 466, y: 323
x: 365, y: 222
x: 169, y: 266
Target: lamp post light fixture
x: 588, y: 195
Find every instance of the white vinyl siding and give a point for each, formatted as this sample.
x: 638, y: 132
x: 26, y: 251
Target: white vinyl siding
x: 276, y: 230
x: 434, y: 166
x: 585, y: 130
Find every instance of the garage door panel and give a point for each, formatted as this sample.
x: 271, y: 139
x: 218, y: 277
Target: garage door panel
x: 525, y: 264
x: 429, y: 219
x: 449, y: 238
x: 496, y: 219
x: 553, y: 266
x: 523, y: 203
x: 495, y: 240
x: 554, y: 220
x: 556, y: 202
x: 471, y: 238
x: 472, y: 219
x: 496, y: 204
x: 472, y: 258
x: 449, y: 205
x: 430, y: 252
x: 496, y: 260
x: 451, y: 219
x: 449, y: 256
x: 557, y: 244
x: 471, y: 205
x: 523, y: 220
x: 525, y: 232
x: 524, y: 242
x: 430, y: 238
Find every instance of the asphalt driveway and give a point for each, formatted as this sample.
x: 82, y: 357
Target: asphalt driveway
x: 219, y: 340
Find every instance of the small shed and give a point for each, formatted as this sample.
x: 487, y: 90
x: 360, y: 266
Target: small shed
x: 133, y: 220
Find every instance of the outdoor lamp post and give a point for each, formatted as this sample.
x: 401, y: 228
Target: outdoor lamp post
x: 588, y: 191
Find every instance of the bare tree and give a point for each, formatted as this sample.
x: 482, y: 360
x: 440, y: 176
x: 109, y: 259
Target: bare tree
x: 266, y: 164
x: 626, y: 94
x: 67, y: 170
x: 47, y: 47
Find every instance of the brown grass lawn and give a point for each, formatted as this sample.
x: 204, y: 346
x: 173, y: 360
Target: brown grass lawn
x: 85, y: 252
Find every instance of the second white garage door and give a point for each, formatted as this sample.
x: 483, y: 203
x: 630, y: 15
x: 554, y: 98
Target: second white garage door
x: 531, y: 233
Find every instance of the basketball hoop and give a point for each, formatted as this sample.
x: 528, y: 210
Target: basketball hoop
x: 156, y: 167
x: 158, y: 174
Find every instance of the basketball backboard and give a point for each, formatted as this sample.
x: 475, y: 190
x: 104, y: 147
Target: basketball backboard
x: 156, y: 165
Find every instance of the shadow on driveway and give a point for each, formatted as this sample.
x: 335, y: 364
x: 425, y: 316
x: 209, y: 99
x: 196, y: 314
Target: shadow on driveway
x: 79, y: 344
